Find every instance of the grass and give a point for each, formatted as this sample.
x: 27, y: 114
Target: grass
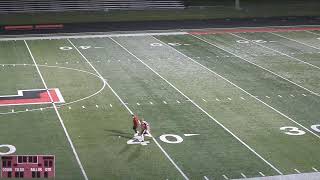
x: 100, y: 126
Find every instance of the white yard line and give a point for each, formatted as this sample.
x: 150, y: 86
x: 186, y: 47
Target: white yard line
x: 130, y: 111
x: 206, y: 178
x: 295, y: 40
x: 256, y: 65
x: 195, y: 104
x: 284, y: 54
x: 58, y: 114
x: 243, y: 175
x: 255, y: 97
x: 225, y: 177
x: 315, y: 169
x: 262, y: 174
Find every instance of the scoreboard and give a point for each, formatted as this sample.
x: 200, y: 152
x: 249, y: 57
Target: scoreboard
x: 28, y: 166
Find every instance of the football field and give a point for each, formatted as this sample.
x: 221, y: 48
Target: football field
x: 221, y: 103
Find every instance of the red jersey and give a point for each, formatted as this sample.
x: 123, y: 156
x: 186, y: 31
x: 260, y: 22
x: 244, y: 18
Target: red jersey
x: 136, y: 121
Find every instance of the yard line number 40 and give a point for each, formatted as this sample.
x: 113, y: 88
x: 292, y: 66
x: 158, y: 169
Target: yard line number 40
x: 294, y: 131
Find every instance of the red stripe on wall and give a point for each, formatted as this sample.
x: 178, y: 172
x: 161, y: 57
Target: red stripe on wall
x: 253, y: 30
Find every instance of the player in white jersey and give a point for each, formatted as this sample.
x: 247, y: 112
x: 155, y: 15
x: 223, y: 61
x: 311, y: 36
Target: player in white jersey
x: 145, y: 129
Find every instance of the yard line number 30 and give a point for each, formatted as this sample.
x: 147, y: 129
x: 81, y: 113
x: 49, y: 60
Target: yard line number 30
x: 294, y: 131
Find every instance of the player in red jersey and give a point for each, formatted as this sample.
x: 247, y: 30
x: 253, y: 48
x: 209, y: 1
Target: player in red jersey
x: 136, y: 124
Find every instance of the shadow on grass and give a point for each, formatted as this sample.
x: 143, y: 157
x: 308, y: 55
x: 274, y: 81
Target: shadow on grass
x: 118, y: 133
x: 137, y: 148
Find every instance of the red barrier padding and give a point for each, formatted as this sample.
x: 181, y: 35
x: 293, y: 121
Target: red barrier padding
x: 49, y: 26
x: 19, y: 28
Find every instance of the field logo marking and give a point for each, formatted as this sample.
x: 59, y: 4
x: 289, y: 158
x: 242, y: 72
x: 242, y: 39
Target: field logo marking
x: 57, y: 91
x: 32, y: 96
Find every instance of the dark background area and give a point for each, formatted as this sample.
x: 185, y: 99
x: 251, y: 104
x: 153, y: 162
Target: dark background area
x: 197, y: 14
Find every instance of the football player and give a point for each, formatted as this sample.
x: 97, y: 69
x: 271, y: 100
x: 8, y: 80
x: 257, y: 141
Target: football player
x: 136, y: 124
x: 145, y: 129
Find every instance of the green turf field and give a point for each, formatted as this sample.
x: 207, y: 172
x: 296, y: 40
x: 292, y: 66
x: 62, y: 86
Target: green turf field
x: 220, y: 106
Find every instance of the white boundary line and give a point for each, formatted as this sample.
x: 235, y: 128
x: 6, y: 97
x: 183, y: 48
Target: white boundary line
x: 297, y: 59
x: 195, y: 104
x: 125, y: 105
x: 312, y: 33
x: 295, y: 40
x: 256, y: 65
x: 91, y: 36
x: 58, y: 114
x: 255, y: 97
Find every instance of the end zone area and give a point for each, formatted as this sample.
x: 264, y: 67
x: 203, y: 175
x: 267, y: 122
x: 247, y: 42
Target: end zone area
x: 227, y: 105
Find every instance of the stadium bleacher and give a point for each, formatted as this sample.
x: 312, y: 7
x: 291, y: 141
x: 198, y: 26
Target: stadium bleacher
x: 7, y: 6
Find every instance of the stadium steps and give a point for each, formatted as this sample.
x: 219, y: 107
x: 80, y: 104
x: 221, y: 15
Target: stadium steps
x: 7, y: 6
